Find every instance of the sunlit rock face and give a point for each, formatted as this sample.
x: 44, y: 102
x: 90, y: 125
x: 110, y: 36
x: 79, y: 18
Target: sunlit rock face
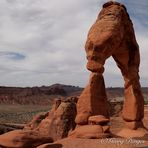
x: 112, y: 34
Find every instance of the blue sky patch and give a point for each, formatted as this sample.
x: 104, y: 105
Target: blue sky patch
x: 12, y: 55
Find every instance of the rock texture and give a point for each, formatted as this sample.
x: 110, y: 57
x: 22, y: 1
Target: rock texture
x: 112, y: 35
x: 89, y: 131
x: 58, y: 122
x: 97, y: 128
x: 98, y: 120
x: 96, y: 143
x: 23, y: 139
x: 130, y: 133
x: 44, y: 127
x: 93, y: 100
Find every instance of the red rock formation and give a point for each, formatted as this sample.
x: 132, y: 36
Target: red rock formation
x: 99, y: 120
x: 112, y: 35
x: 89, y: 131
x: 93, y: 100
x: 97, y: 128
x: 23, y: 139
x: 58, y: 122
x: 44, y: 127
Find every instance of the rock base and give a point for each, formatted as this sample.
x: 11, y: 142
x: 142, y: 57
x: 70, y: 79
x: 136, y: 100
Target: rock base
x: 130, y: 133
x: 90, y: 132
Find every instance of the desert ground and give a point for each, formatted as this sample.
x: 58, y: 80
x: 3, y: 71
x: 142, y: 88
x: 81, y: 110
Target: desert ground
x: 20, y: 114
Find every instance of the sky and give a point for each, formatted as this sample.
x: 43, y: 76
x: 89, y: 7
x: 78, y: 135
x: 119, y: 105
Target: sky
x: 42, y: 41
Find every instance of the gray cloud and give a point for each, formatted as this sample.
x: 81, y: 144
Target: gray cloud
x: 49, y: 37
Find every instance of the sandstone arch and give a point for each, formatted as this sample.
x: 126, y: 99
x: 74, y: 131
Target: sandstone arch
x: 112, y: 35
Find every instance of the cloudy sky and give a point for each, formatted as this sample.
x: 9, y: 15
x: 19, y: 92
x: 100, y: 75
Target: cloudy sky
x: 42, y: 41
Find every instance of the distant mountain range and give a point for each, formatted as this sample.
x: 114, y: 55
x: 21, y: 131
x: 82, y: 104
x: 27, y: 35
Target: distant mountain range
x: 36, y: 95
x: 46, y: 94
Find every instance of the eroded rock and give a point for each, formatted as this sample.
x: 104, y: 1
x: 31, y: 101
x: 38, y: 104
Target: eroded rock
x: 60, y: 122
x: 89, y: 131
x: 44, y: 127
x: 23, y: 139
x: 112, y: 34
x: 98, y: 120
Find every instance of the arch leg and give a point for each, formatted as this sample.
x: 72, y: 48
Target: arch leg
x: 93, y: 100
x: 133, y: 108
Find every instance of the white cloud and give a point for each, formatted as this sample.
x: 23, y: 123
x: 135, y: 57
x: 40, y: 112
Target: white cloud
x: 51, y: 36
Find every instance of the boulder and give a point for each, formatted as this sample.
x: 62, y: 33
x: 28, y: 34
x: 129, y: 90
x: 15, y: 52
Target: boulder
x: 59, y: 121
x: 98, y: 120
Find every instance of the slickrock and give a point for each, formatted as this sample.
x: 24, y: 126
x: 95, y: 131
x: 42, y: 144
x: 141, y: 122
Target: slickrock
x: 23, y: 139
